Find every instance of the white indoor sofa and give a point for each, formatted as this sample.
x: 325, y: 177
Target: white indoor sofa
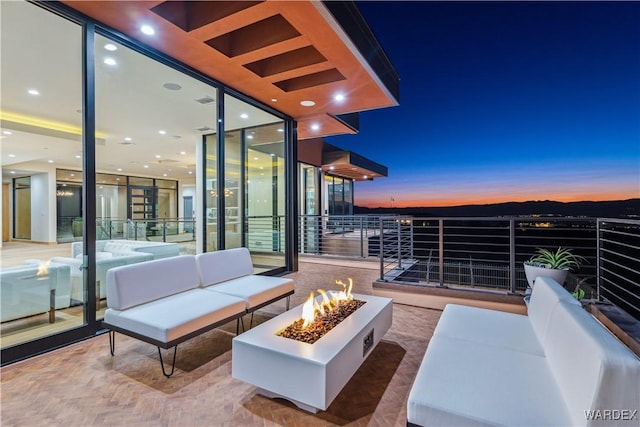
x: 557, y: 366
x: 110, y: 254
x: 25, y: 293
x: 168, y: 301
x: 157, y: 249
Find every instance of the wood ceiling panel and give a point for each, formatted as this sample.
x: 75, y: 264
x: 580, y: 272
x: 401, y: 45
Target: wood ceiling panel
x: 309, y: 20
x: 268, y: 31
x: 190, y: 15
x: 286, y: 61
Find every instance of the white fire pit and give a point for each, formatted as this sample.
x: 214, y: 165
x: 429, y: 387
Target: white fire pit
x: 309, y: 375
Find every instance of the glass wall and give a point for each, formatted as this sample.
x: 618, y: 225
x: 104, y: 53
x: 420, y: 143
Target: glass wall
x: 41, y: 93
x: 157, y: 164
x: 253, y: 177
x: 340, y: 195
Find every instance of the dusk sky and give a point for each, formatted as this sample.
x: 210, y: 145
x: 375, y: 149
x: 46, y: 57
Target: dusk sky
x: 504, y: 101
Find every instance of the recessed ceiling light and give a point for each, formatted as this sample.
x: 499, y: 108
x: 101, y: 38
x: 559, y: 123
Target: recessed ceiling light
x: 33, y: 92
x: 332, y: 168
x: 158, y: 156
x: 119, y: 169
x: 339, y: 97
x: 315, y: 126
x: 307, y: 103
x: 6, y: 132
x: 127, y: 139
x: 274, y: 99
x: 183, y: 153
x: 190, y: 172
x: 162, y: 132
x: 110, y: 47
x: 78, y: 156
x: 280, y: 130
x: 12, y: 155
x: 146, y: 166
x: 148, y: 30
x: 249, y: 136
x: 255, y: 158
x: 272, y: 155
x: 164, y: 174
x: 172, y: 86
x: 365, y: 177
x: 244, y: 115
x: 72, y: 174
x: 110, y: 61
x: 261, y: 167
x: 50, y: 161
x: 12, y: 172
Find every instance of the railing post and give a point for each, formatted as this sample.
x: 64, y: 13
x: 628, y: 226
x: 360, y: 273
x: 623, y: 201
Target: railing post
x: 399, y: 244
x: 598, y: 258
x: 512, y: 257
x: 361, y: 238
x: 164, y: 230
x: 411, y: 237
x: 441, y: 250
x: 381, y: 248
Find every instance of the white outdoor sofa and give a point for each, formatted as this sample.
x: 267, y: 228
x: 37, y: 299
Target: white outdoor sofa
x: 555, y: 367
x: 164, y: 302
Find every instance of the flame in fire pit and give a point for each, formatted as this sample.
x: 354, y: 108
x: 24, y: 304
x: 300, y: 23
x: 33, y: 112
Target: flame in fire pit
x: 43, y: 268
x: 330, y: 301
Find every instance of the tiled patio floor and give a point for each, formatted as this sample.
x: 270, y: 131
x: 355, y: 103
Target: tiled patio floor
x: 82, y: 385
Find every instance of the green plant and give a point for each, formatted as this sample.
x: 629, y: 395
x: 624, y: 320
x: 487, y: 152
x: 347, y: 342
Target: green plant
x: 561, y: 259
x: 579, y: 293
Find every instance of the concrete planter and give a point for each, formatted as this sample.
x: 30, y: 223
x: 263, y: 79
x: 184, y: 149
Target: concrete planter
x: 532, y: 272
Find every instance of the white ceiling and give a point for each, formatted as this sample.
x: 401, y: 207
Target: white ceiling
x: 43, y: 51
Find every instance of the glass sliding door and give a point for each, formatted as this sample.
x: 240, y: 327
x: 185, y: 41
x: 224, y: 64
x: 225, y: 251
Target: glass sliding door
x: 255, y: 183
x: 22, y: 208
x: 211, y: 192
x: 150, y: 119
x: 41, y: 131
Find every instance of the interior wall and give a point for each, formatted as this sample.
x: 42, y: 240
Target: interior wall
x: 43, y: 202
x: 5, y: 212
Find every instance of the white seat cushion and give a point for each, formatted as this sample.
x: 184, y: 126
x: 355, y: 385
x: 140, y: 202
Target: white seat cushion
x: 254, y: 289
x: 490, y: 327
x: 544, y: 297
x: 171, y: 318
x: 140, y: 283
x: 220, y: 266
x: 466, y: 383
x: 594, y: 370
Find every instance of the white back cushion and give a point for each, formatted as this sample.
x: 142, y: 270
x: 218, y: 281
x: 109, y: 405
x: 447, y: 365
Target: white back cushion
x: 136, y: 284
x: 220, y: 266
x: 592, y: 368
x: 544, y: 297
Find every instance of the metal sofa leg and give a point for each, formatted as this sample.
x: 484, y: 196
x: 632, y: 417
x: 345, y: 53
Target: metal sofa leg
x: 112, y: 342
x: 288, y: 301
x: 173, y: 365
x: 239, y: 321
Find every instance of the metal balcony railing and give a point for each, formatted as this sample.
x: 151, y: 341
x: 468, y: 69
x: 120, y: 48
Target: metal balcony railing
x: 156, y: 229
x: 485, y: 253
x: 618, y: 279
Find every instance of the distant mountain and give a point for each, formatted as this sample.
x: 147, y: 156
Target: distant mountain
x: 607, y: 209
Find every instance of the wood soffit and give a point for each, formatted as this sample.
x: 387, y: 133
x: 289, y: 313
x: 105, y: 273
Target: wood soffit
x: 283, y: 50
